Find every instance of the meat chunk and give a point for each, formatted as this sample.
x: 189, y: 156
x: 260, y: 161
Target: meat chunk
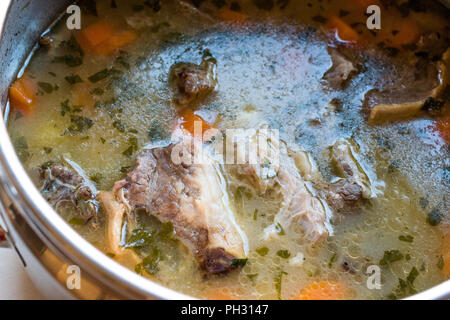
x: 169, y: 185
x: 307, y: 201
x: 341, y: 71
x: 354, y: 184
x: 63, y: 186
x: 193, y: 82
x: 397, y: 102
x: 275, y: 174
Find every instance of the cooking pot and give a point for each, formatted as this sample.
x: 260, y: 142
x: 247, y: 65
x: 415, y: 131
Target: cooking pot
x: 53, y: 254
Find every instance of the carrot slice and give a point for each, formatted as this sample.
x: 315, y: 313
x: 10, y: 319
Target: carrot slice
x: 323, y: 291
x: 93, y: 35
x: 117, y: 41
x: 219, y: 294
x: 22, y: 95
x: 190, y: 121
x: 343, y: 31
x: 232, y: 16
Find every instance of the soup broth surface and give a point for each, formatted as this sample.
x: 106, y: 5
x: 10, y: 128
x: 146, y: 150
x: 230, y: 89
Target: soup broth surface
x: 271, y: 61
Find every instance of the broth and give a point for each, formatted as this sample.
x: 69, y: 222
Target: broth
x: 270, y: 67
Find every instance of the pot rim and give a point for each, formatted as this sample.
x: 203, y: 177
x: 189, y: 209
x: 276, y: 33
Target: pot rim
x: 59, y: 236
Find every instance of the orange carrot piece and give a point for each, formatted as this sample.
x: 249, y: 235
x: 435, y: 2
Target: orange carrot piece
x: 93, y: 35
x: 219, y: 294
x: 189, y: 120
x: 22, y: 95
x: 342, y: 30
x: 115, y: 42
x: 232, y: 16
x: 323, y: 291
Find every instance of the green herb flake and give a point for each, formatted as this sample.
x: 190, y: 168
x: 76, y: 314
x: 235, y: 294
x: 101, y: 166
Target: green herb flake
x: 406, y: 238
x: 103, y: 74
x: 128, y: 152
x: 391, y: 256
x: 151, y: 262
x: 46, y: 87
x: 77, y: 222
x: 279, y: 229
x: 278, y: 280
x: 79, y: 124
x: 73, y: 79
x: 65, y: 107
x: 283, y: 254
x: 413, y: 274
x: 48, y: 150
x: 119, y: 125
x: 332, y: 260
x: 252, y: 277
x: 125, y: 169
x: 239, y: 262
x: 99, y: 76
x: 96, y: 177
x: 263, y: 251
x: 255, y: 215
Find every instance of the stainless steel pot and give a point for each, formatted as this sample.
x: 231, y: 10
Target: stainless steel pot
x: 46, y: 245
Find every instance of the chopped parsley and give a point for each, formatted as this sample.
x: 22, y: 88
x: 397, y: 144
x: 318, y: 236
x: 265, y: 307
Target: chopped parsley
x: 103, y: 74
x: 77, y: 222
x: 255, y: 214
x: 279, y: 229
x: 283, y: 254
x: 406, y: 238
x: 73, y: 79
x: 263, y: 251
x: 79, y: 124
x: 239, y: 262
x: 391, y: 256
x: 278, y: 280
x: 46, y: 87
